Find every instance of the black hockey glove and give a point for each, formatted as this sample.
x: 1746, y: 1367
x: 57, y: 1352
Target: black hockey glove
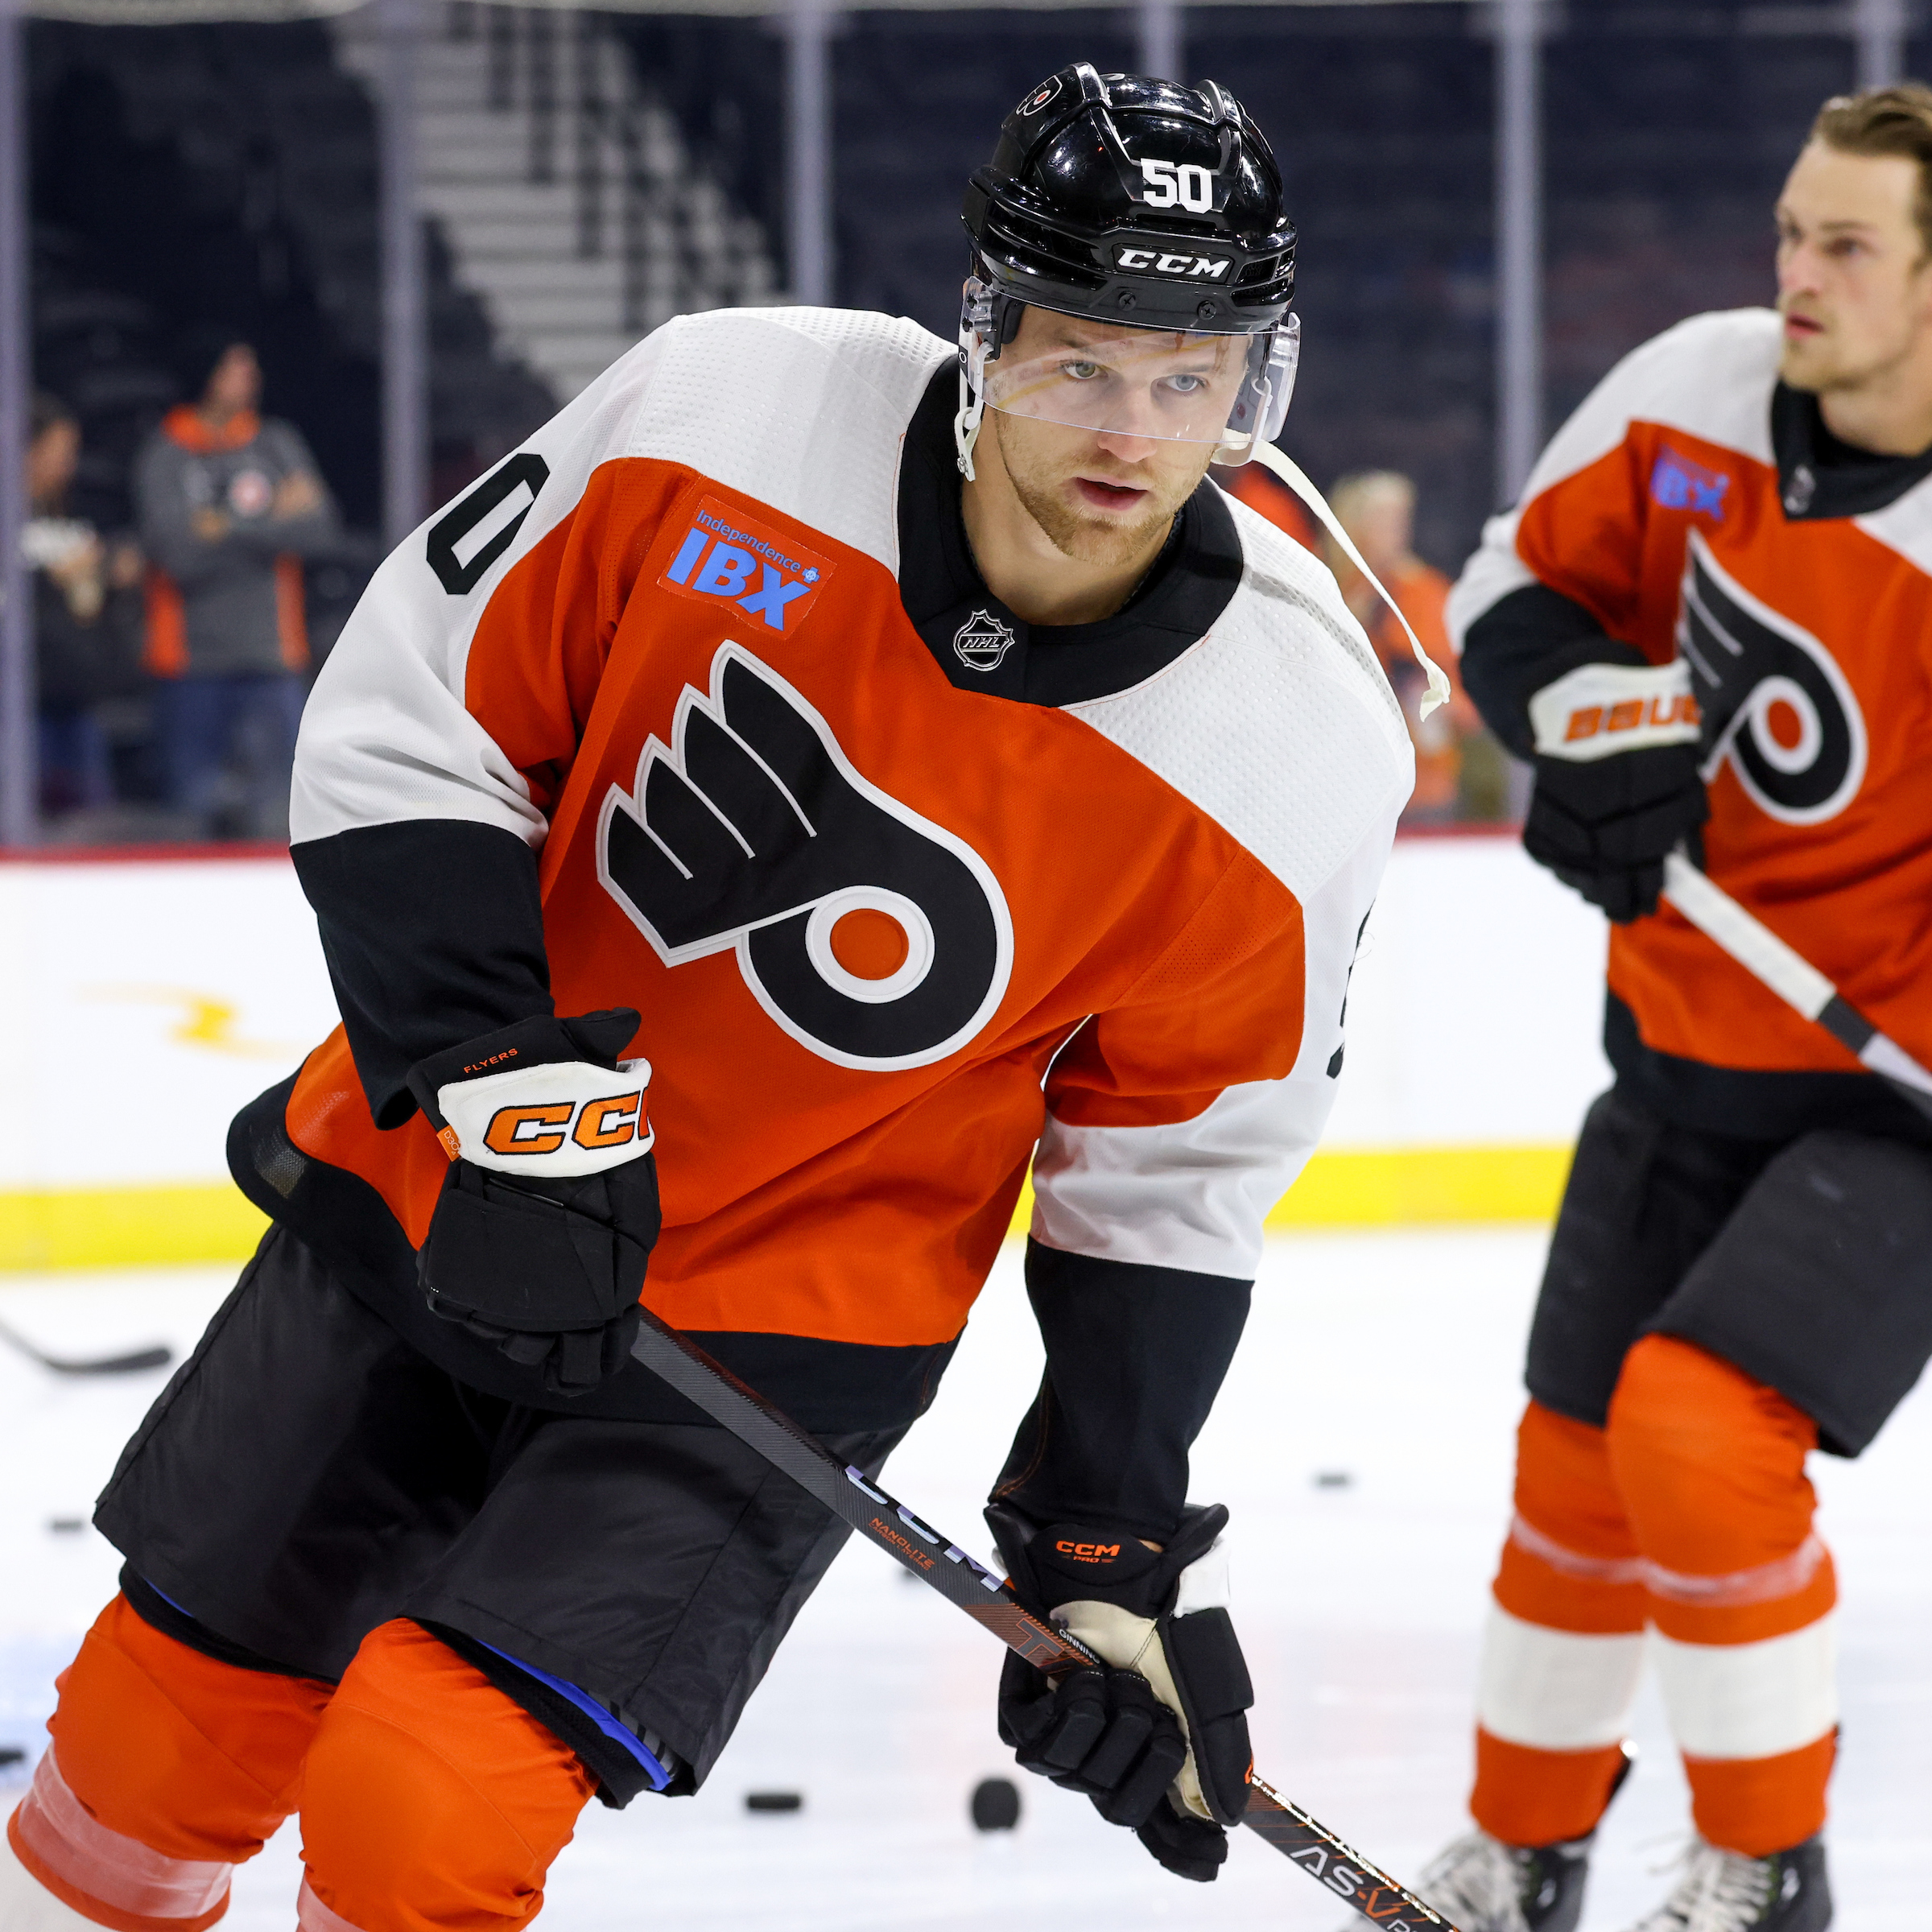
x: 550, y: 1207
x: 1617, y: 787
x: 1159, y: 1739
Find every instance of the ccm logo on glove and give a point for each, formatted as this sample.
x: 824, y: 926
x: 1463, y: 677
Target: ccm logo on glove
x: 1157, y: 1733
x: 549, y: 1208
x: 560, y: 1118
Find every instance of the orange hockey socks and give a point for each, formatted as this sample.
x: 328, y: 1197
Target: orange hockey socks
x: 432, y: 1802
x: 1690, y: 1512
x: 1565, y: 1643
x: 166, y: 1771
x: 1710, y: 1464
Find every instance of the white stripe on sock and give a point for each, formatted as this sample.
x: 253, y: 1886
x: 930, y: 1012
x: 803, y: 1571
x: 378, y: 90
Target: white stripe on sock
x: 1554, y: 1690
x: 119, y: 1872
x: 1751, y: 1700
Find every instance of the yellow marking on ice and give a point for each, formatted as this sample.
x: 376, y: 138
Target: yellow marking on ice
x: 1410, y: 1187
x: 127, y: 1227
x: 1348, y: 1187
x: 206, y: 1021
x: 1407, y: 1186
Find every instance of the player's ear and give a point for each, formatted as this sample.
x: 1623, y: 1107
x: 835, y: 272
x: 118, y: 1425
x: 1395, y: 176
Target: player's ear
x: 1921, y: 283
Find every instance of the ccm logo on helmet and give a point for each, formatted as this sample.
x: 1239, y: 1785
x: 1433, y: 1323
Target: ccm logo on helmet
x: 1153, y: 262
x: 611, y: 1122
x: 1186, y: 185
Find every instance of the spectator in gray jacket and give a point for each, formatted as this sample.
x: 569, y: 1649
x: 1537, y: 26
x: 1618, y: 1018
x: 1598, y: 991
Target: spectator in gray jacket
x: 230, y: 507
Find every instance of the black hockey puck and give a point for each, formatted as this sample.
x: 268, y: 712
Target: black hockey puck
x: 67, y: 1525
x: 1333, y: 1478
x: 774, y: 1801
x: 11, y: 1755
x: 995, y: 1805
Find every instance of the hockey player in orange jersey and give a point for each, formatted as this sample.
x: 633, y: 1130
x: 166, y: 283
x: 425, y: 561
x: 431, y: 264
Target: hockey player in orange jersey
x: 820, y: 777
x: 1710, y: 620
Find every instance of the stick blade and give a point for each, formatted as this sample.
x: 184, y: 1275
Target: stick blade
x: 143, y: 1358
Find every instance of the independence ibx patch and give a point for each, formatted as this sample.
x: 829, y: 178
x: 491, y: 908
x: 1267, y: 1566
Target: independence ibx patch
x: 727, y: 557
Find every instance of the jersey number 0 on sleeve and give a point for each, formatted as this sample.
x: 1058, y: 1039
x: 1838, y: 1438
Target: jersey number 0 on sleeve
x: 475, y: 530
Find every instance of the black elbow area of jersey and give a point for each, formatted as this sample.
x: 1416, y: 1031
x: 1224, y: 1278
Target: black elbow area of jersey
x: 1522, y: 643
x: 433, y: 931
x: 1135, y: 1357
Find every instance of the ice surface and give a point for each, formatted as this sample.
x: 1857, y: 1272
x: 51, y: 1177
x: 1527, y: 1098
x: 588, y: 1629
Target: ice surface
x: 1393, y: 1358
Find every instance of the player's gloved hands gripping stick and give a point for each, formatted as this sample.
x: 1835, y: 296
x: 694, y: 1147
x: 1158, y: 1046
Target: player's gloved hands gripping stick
x: 1158, y: 1741
x: 550, y: 1207
x: 1616, y: 776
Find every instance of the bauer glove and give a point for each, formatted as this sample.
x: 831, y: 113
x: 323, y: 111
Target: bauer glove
x: 550, y: 1207
x: 1159, y: 1740
x: 1617, y: 786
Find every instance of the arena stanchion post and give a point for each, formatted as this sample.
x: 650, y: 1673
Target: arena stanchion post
x: 882, y: 1520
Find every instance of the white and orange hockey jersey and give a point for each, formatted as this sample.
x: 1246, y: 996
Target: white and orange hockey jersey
x: 909, y: 897
x: 1693, y: 507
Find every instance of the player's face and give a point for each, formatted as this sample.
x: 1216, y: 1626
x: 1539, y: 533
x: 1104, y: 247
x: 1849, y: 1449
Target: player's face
x: 1854, y: 284
x: 1102, y: 495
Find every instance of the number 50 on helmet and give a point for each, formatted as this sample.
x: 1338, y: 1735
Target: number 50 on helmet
x: 1154, y: 211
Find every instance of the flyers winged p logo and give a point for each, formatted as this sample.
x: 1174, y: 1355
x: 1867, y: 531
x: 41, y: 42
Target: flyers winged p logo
x: 752, y: 832
x: 1773, y: 699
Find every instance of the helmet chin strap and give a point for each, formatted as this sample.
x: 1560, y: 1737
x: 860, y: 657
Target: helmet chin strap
x: 973, y: 397
x: 1289, y: 471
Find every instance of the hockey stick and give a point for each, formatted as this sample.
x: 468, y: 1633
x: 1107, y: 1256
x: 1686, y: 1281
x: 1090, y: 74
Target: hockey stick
x: 884, y: 1521
x: 1792, y: 978
x: 157, y: 1357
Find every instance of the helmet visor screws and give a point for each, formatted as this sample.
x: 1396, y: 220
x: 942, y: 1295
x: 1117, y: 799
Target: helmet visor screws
x: 1154, y: 212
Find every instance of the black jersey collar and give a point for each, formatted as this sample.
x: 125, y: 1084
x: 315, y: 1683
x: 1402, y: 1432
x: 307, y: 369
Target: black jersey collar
x: 1818, y: 476
x: 982, y: 645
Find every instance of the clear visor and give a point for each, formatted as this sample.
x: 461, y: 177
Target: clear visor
x: 1225, y: 391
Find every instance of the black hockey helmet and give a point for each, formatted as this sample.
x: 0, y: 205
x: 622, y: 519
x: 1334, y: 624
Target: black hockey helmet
x: 1143, y: 206
x: 1133, y: 199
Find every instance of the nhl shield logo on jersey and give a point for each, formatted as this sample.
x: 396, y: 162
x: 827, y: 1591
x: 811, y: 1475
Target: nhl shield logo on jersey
x: 1774, y: 702
x: 982, y: 642
x: 728, y: 557
x: 873, y: 937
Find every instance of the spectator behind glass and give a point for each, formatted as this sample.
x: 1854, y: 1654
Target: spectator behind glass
x: 1459, y: 770
x: 87, y: 619
x: 230, y: 504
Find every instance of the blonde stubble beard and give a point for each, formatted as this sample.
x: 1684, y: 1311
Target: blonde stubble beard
x: 1818, y: 368
x: 1095, y: 540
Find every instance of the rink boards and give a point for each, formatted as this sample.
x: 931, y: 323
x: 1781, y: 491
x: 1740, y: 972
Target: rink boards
x: 145, y: 1000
